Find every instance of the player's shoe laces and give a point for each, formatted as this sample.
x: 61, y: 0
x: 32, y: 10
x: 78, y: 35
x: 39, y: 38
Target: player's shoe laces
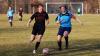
x: 34, y: 51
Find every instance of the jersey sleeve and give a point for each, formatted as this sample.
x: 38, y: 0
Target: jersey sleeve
x: 57, y: 18
x: 46, y: 16
x: 71, y: 13
x: 13, y: 12
x: 8, y: 13
x: 33, y: 16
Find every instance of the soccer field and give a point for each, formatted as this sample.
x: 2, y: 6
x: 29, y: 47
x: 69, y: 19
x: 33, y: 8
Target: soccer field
x: 84, y: 40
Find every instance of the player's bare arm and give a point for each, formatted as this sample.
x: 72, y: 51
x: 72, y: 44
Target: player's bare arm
x: 57, y: 23
x: 47, y: 22
x: 29, y: 21
x: 77, y: 19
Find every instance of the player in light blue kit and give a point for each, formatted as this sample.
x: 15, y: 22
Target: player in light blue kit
x: 10, y: 13
x: 64, y: 21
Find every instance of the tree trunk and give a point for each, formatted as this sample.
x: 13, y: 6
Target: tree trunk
x: 99, y: 3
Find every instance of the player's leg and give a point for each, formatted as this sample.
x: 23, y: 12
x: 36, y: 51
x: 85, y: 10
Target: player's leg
x: 59, y: 41
x: 60, y: 35
x: 40, y: 33
x: 10, y: 21
x: 34, y: 33
x: 20, y: 17
x: 66, y: 39
x: 38, y: 41
x: 32, y: 38
x: 66, y: 33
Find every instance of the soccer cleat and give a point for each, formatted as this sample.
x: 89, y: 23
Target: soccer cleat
x: 34, y: 51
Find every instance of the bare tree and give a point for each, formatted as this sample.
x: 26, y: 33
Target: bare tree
x: 86, y: 6
x: 99, y: 3
x: 34, y: 4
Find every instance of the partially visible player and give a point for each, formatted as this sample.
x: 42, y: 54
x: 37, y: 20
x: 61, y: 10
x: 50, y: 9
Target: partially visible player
x: 79, y: 11
x: 20, y: 13
x: 10, y: 14
x: 64, y: 21
x: 41, y: 20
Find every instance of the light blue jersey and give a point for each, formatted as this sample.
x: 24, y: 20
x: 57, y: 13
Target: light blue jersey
x: 64, y: 19
x: 10, y: 13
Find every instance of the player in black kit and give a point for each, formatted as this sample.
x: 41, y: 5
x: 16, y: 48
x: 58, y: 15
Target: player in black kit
x: 41, y: 20
x: 20, y: 12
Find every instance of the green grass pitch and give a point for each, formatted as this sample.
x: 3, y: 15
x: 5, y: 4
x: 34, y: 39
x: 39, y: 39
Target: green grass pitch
x: 84, y: 40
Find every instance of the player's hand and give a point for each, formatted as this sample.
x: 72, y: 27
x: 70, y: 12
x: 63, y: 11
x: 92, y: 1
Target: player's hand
x: 81, y: 23
x: 28, y: 24
x: 57, y: 23
x: 46, y: 24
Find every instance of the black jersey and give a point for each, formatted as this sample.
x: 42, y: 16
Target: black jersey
x: 20, y: 12
x: 40, y: 18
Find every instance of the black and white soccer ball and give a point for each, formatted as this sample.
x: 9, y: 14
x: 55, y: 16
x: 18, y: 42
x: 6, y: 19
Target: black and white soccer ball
x: 45, y: 51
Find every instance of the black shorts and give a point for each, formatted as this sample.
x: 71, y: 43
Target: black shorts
x: 38, y: 30
x: 20, y: 14
x: 10, y: 19
x: 63, y: 29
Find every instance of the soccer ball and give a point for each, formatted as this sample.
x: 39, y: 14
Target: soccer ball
x: 45, y: 51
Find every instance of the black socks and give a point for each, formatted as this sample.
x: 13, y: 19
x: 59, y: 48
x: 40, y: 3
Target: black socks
x: 20, y: 19
x: 60, y: 45
x: 66, y: 41
x: 11, y: 24
x: 37, y: 45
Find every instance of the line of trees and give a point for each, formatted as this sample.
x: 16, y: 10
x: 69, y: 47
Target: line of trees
x: 90, y: 6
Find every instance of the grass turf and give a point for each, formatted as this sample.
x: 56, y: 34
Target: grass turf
x: 84, y: 40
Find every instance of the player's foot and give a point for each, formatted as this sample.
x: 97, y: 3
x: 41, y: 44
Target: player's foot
x: 34, y: 51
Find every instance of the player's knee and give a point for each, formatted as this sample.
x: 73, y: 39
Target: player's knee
x: 32, y: 36
x: 66, y: 34
x: 39, y: 38
x: 10, y: 21
x: 59, y: 38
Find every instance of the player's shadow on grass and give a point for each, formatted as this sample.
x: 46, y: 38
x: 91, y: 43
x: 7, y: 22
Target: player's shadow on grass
x: 80, y: 48
x: 77, y: 47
